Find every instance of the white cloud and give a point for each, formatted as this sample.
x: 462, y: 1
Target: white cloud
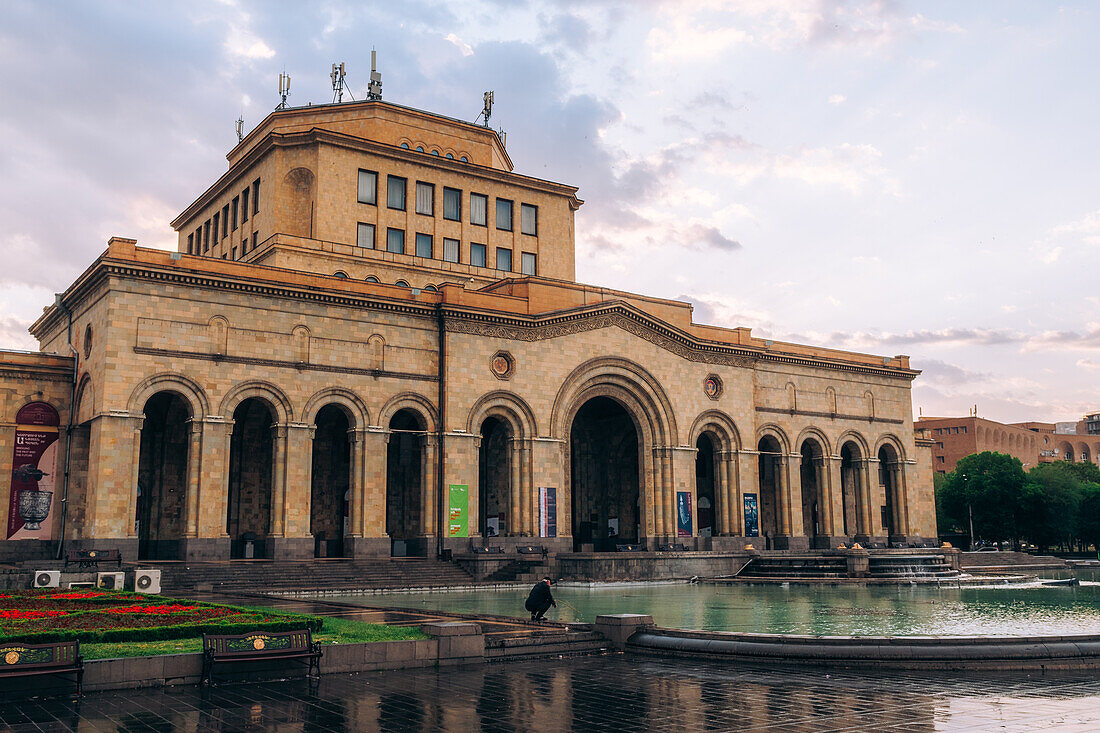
x: 462, y: 46
x: 846, y: 166
x: 837, y: 99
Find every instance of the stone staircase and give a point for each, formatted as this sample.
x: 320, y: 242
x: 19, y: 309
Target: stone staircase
x: 303, y: 576
x: 882, y: 566
x: 520, y: 571
x: 795, y: 566
x: 1009, y: 560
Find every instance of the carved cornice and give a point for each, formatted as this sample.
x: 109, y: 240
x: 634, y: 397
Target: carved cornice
x: 832, y: 415
x: 540, y: 328
x: 301, y: 366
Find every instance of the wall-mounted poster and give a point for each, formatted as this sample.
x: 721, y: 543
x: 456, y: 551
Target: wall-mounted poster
x: 548, y: 511
x: 683, y: 514
x: 752, y: 516
x: 458, y: 511
x: 30, y: 506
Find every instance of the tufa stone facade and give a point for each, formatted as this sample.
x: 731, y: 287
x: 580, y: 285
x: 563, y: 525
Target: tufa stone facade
x: 285, y: 386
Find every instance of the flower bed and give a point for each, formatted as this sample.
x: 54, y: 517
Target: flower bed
x: 44, y: 615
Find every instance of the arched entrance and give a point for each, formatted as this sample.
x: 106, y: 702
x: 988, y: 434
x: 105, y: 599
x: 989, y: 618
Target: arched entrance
x: 706, y: 466
x: 495, y: 478
x: 851, y: 488
x: 161, y: 511
x: 404, y: 485
x: 251, y: 474
x: 893, y: 507
x: 814, y: 502
x: 605, y: 476
x: 330, y: 482
x: 771, y: 489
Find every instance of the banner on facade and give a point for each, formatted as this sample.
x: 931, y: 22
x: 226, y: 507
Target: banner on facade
x: 458, y: 511
x: 548, y: 511
x: 752, y: 516
x: 683, y: 514
x: 34, y: 461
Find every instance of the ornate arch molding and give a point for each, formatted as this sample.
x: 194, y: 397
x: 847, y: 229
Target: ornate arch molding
x: 185, y: 387
x: 630, y: 379
x: 505, y: 405
x: 418, y: 404
x: 345, y: 399
x: 773, y: 431
x: 719, y: 423
x: 851, y: 436
x: 892, y: 441
x: 284, y: 411
x: 815, y: 434
x: 84, y: 407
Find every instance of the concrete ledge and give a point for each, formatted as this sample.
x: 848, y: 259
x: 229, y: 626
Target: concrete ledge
x: 1040, y: 653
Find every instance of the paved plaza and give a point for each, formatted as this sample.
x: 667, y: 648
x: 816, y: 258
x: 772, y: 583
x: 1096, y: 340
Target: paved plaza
x: 590, y: 693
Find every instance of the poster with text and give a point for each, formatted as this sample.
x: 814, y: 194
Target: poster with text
x: 34, y: 459
x: 458, y: 511
x: 752, y: 516
x: 683, y: 514
x: 548, y: 511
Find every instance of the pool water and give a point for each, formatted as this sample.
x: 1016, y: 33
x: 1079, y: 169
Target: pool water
x: 1030, y: 609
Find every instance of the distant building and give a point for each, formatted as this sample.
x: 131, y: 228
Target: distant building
x: 1032, y: 442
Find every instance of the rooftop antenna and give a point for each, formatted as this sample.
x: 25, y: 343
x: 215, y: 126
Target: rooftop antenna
x: 374, y: 89
x: 240, y: 128
x: 338, y: 83
x: 284, y: 89
x: 487, y: 109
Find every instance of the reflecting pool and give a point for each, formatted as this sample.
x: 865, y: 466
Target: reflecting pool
x: 1017, y: 610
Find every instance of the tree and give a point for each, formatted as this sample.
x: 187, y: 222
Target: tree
x: 989, y: 486
x: 1050, y: 506
x: 1088, y: 517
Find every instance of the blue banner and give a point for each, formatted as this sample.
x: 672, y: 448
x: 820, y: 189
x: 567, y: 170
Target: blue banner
x: 683, y: 514
x: 752, y: 516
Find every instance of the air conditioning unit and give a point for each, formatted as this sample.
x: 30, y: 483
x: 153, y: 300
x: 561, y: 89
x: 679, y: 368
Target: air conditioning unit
x: 147, y: 581
x: 110, y: 581
x: 47, y: 578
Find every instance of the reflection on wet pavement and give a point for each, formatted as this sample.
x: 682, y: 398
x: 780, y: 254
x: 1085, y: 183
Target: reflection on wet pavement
x: 590, y: 693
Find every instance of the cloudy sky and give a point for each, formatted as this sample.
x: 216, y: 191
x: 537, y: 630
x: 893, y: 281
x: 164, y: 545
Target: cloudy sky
x: 892, y: 177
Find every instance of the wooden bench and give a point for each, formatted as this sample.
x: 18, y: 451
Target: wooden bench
x: 532, y: 550
x: 259, y: 646
x: 672, y: 548
x: 25, y: 660
x: 629, y: 548
x: 92, y: 558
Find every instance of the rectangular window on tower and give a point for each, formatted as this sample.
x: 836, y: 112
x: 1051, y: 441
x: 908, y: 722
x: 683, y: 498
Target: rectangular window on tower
x: 528, y: 263
x: 368, y: 187
x: 504, y: 214
x: 479, y: 209
x: 225, y: 222
x: 395, y: 193
x: 256, y: 196
x: 217, y: 218
x: 477, y: 255
x: 452, y: 204
x: 364, y: 235
x: 233, y: 210
x: 425, y: 199
x: 190, y: 244
x: 206, y: 230
x: 504, y: 259
x: 529, y: 219
x: 450, y: 250
x: 423, y: 245
x: 255, y: 238
x: 244, y: 206
x: 395, y: 241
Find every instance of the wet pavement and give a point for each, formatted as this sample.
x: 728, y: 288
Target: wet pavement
x: 493, y: 626
x: 587, y: 694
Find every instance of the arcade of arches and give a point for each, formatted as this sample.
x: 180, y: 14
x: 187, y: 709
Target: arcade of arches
x: 805, y: 499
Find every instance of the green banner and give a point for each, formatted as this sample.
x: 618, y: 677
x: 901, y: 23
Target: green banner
x: 458, y: 511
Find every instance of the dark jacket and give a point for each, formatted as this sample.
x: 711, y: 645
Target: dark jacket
x: 540, y: 597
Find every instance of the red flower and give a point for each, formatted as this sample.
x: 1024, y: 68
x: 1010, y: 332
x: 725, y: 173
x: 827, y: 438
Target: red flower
x: 76, y: 595
x: 15, y: 614
x: 166, y: 609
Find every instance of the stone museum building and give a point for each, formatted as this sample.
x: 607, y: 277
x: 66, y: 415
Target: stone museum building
x: 370, y: 343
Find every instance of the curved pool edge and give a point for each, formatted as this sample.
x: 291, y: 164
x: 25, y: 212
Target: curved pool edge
x: 637, y: 634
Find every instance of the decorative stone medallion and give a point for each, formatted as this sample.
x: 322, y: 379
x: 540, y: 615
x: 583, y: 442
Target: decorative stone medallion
x: 503, y: 365
x: 11, y: 657
x: 712, y: 386
x: 258, y: 644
